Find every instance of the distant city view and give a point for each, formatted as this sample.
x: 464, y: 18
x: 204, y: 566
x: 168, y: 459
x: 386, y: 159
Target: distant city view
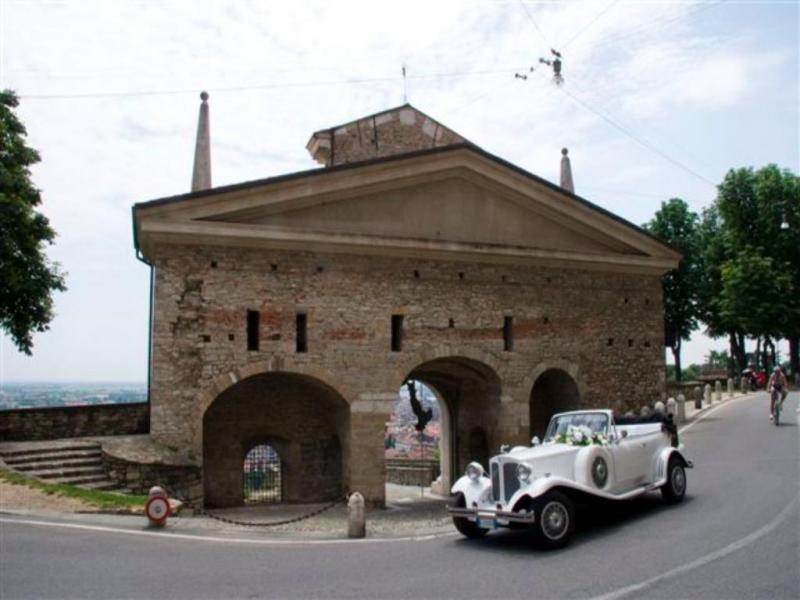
x: 401, y: 439
x: 54, y: 394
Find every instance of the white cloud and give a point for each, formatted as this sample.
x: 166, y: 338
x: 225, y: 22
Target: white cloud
x: 650, y: 66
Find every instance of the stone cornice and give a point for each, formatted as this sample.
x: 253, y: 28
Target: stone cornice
x: 166, y: 232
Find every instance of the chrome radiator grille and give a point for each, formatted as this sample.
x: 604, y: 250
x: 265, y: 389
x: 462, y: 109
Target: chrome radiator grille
x: 495, y: 481
x: 510, y: 480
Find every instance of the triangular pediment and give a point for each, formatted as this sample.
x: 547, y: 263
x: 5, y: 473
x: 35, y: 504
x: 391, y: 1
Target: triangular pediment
x: 457, y: 204
x: 455, y: 209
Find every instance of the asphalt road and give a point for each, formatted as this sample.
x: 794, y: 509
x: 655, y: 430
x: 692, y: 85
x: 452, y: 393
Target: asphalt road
x: 735, y: 536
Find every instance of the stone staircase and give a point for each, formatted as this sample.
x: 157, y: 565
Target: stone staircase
x: 73, y: 463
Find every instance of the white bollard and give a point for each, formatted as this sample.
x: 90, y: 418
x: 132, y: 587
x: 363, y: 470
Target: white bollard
x: 672, y: 407
x: 356, y: 516
x: 644, y: 411
x: 681, y: 416
x: 659, y: 407
x: 698, y: 397
x: 730, y: 387
x: 707, y: 393
x: 717, y: 391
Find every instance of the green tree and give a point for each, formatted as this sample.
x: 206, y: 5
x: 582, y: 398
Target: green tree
x: 756, y: 296
x: 714, y: 254
x: 752, y: 205
x: 677, y: 225
x: 28, y: 278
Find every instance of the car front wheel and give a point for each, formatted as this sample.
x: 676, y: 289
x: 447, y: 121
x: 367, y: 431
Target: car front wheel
x: 466, y: 527
x: 555, y: 520
x: 674, y: 489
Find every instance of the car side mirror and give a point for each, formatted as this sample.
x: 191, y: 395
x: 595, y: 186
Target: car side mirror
x: 624, y: 433
x: 535, y: 441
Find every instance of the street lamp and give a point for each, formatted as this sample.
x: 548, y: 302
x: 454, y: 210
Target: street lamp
x: 785, y: 222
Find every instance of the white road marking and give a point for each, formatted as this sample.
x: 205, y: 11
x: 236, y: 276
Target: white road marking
x: 712, y: 556
x: 223, y: 540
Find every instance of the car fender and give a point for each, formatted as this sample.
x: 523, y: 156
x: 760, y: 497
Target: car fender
x: 663, y: 460
x: 541, y: 485
x: 474, y: 490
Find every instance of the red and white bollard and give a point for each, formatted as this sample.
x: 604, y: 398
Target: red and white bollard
x: 157, y: 507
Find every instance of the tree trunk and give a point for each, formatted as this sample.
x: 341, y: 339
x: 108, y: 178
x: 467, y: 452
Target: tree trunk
x: 742, y: 350
x: 766, y: 354
x: 794, y: 354
x: 773, y: 352
x: 676, y: 353
x: 757, y: 356
x: 732, y: 357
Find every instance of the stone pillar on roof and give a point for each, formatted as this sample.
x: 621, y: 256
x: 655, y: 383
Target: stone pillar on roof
x: 566, y: 172
x: 201, y: 174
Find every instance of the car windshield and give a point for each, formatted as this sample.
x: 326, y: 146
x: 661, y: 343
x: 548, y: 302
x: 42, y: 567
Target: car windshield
x: 597, y: 422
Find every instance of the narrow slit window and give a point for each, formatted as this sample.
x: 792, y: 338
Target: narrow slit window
x: 302, y: 332
x: 397, y: 333
x: 252, y: 329
x: 508, y: 334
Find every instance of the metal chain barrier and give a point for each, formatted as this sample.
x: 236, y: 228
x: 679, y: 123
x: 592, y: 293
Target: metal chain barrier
x: 205, y: 513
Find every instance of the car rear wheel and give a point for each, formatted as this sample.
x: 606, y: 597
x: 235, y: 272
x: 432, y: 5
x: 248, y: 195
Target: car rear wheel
x: 674, y: 489
x: 555, y: 520
x: 466, y: 527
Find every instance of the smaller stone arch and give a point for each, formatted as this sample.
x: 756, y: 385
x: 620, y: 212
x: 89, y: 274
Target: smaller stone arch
x: 263, y: 471
x: 554, y: 390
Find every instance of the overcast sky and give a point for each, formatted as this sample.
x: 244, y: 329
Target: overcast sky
x: 660, y: 100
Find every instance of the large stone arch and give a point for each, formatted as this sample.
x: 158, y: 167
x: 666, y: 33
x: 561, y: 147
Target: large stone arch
x: 469, y: 391
x: 555, y: 387
x: 309, y: 418
x: 276, y: 364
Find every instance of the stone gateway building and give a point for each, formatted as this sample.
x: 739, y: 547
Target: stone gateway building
x: 289, y: 311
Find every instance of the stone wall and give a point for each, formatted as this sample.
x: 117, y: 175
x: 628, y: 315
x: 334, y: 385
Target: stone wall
x: 73, y: 421
x: 183, y: 482
x: 603, y: 330
x: 412, y: 472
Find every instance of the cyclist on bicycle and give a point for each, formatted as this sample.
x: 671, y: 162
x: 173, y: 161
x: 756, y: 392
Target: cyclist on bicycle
x: 777, y: 383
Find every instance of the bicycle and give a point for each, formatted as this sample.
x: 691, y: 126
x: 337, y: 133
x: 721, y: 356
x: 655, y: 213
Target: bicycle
x: 777, y: 404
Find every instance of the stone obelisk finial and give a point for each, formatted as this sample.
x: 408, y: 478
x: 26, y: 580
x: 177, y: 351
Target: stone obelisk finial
x: 201, y: 174
x: 566, y: 172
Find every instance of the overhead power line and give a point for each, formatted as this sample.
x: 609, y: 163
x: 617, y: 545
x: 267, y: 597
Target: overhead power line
x: 588, y: 25
x: 639, y: 140
x: 615, y: 39
x: 530, y: 18
x: 267, y: 86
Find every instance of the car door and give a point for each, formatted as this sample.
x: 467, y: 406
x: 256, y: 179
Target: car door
x: 630, y: 460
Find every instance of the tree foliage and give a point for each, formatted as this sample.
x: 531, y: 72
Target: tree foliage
x: 28, y: 278
x: 677, y: 225
x: 751, y: 264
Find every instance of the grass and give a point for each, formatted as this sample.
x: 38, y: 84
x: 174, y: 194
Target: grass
x: 100, y: 499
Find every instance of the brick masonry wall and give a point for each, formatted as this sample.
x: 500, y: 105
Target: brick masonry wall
x: 73, y: 421
x: 603, y: 329
x: 387, y: 135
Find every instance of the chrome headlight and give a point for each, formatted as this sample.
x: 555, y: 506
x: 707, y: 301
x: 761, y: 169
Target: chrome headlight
x: 474, y: 470
x: 524, y: 473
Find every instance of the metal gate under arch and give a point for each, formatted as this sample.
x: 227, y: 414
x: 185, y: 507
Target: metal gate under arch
x: 261, y: 475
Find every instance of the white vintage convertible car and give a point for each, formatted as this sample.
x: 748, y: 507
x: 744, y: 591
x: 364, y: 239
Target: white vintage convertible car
x: 585, y: 455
